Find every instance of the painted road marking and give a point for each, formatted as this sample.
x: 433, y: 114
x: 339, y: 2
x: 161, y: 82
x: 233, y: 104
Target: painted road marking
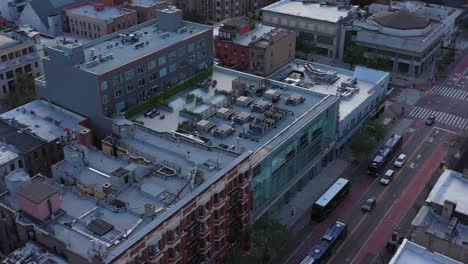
x: 456, y: 121
x: 447, y: 91
x: 378, y: 198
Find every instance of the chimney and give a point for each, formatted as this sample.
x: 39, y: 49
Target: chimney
x: 448, y: 209
x: 150, y: 210
x: 107, y: 188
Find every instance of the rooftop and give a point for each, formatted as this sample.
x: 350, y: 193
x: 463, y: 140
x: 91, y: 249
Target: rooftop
x: 31, y: 253
x: 326, y: 80
x: 242, y: 122
x: 401, y: 19
x: 6, y: 41
x: 258, y: 32
x: 315, y: 11
x: 132, y: 44
x: 37, y: 192
x: 46, y: 120
x: 410, y: 252
x: 451, y: 186
x: 146, y: 3
x: 18, y: 140
x: 7, y: 154
x: 108, y: 13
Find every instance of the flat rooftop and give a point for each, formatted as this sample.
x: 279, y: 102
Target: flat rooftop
x: 31, y: 253
x: 7, y: 41
x: 21, y: 142
x: 410, y: 252
x: 108, y: 13
x: 45, y: 119
x: 7, y: 154
x: 211, y: 106
x: 253, y: 34
x: 440, y: 226
x: 146, y: 3
x: 451, y: 186
x: 366, y: 80
x: 151, y: 41
x: 315, y: 11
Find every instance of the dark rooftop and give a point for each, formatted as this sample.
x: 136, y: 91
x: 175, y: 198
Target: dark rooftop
x: 37, y: 192
x: 22, y: 141
x: 401, y: 19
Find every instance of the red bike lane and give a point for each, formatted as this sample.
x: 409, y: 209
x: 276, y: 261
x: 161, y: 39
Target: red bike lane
x: 377, y: 241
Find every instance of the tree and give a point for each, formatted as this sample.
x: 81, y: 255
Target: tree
x: 354, y: 55
x: 240, y: 257
x: 272, y: 238
x: 21, y: 92
x: 363, y: 143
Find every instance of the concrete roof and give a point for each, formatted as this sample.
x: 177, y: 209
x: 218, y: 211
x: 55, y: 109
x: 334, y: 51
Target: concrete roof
x: 7, y: 154
x: 303, y: 113
x: 36, y: 192
x: 6, y: 41
x: 126, y: 53
x: 253, y: 34
x: 367, y: 79
x: 21, y: 141
x: 313, y: 11
x: 31, y: 251
x: 46, y: 120
x: 401, y: 19
x: 107, y: 14
x: 451, y: 186
x: 410, y: 252
x: 145, y: 3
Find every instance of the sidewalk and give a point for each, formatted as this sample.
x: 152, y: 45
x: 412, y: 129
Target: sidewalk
x: 302, y: 201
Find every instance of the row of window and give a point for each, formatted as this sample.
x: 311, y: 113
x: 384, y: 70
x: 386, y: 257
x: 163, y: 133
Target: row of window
x: 17, y: 54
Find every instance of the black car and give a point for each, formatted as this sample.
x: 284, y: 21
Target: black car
x: 430, y: 120
x: 368, y: 205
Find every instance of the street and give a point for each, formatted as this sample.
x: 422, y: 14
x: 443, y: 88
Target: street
x: 426, y: 147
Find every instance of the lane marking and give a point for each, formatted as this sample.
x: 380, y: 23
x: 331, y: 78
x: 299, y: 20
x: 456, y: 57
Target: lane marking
x: 378, y: 198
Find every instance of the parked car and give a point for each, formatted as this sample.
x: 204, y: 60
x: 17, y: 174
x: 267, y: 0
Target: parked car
x: 400, y: 161
x: 162, y: 117
x: 213, y: 84
x: 368, y: 205
x: 430, y: 120
x: 387, y: 177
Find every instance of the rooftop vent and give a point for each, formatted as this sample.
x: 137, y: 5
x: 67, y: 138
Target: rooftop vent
x: 100, y: 227
x: 243, y: 101
x: 164, y: 35
x: 92, y: 63
x: 295, y: 99
x: 182, y: 30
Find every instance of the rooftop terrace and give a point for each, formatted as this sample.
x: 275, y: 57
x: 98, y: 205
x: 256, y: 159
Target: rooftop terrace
x: 410, y: 252
x: 258, y: 32
x: 316, y: 11
x: 45, y: 120
x: 266, y: 113
x: 126, y: 46
x: 108, y: 13
x: 354, y: 87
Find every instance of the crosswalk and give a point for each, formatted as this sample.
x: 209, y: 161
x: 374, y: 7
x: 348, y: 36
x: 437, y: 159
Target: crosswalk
x: 441, y: 117
x: 450, y: 92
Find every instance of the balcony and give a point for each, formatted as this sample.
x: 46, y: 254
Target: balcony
x: 194, y: 259
x: 173, y: 241
x: 205, y: 216
x: 219, y: 236
x: 175, y: 258
x: 192, y: 226
x: 218, y: 203
x: 203, y: 232
x: 219, y: 220
x: 205, y: 247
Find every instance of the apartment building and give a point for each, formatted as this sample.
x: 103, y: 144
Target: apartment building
x: 95, y: 20
x: 16, y: 57
x: 260, y: 51
x: 441, y: 223
x: 146, y: 9
x: 410, y: 252
x: 213, y: 11
x: 178, y: 208
x: 321, y: 25
x: 102, y: 78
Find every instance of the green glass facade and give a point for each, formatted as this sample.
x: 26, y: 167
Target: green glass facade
x: 286, y: 166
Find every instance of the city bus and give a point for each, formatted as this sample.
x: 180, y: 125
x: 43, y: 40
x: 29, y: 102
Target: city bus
x: 330, y: 199
x: 384, y: 154
x: 324, y: 248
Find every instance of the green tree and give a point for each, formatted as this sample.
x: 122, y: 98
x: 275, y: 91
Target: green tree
x: 364, y: 142
x: 354, y: 55
x: 271, y: 238
x: 238, y: 256
x: 22, y: 92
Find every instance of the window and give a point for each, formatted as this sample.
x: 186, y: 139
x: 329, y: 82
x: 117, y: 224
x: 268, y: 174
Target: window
x: 172, y: 55
x: 117, y: 79
x: 141, y: 82
x: 11, y: 56
x: 4, y: 58
x: 27, y: 68
x: 104, y: 99
x: 130, y: 74
x: 181, y: 52
x: 20, y: 164
x: 201, y: 55
x: 151, y: 64
x: 24, y: 51
x: 153, y: 77
x: 191, y: 58
x: 36, y: 64
x: 163, y: 72
x: 117, y: 93
x: 1, y: 76
x: 17, y: 53
x: 104, y: 85
x: 201, y: 43
x: 191, y: 47
x: 162, y: 60
x: 12, y: 167
x: 130, y: 87
x: 173, y: 67
x: 141, y: 69
x: 10, y: 75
